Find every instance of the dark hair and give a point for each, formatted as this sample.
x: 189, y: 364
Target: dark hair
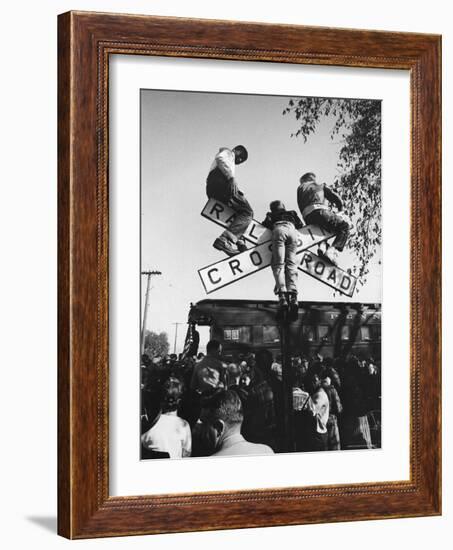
x: 242, y: 151
x: 276, y: 205
x: 313, y: 382
x: 171, y: 394
x: 213, y: 346
x: 264, y: 359
x: 224, y: 405
x: 307, y: 177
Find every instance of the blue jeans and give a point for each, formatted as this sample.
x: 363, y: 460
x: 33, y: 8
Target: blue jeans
x: 284, y: 264
x: 328, y: 220
x: 243, y: 216
x: 219, y: 188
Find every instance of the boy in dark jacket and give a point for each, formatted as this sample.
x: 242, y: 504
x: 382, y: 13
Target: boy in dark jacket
x: 284, y: 224
x: 313, y: 199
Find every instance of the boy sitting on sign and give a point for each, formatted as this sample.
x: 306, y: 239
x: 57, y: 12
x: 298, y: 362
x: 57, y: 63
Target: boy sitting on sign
x: 313, y: 199
x: 284, y: 224
x: 221, y: 185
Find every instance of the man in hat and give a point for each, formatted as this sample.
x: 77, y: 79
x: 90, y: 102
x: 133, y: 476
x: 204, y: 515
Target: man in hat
x: 221, y: 185
x: 313, y: 199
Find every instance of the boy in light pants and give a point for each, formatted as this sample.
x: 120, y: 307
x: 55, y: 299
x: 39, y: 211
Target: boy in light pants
x: 284, y: 224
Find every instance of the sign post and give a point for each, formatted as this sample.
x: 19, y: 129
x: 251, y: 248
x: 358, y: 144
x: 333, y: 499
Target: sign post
x: 287, y: 386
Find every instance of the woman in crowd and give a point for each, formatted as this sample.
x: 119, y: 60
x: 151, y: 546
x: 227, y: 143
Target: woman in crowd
x: 169, y: 433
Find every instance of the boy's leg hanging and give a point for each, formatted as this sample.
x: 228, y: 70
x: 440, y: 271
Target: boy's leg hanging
x: 328, y: 220
x: 291, y: 274
x: 278, y: 264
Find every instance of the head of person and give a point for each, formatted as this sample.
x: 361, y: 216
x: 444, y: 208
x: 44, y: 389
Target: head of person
x: 145, y: 360
x: 326, y: 382
x: 354, y: 362
x: 353, y: 367
x: 171, y: 394
x: 308, y: 177
x: 334, y: 377
x: 234, y: 369
x: 277, y: 369
x: 245, y: 381
x: 275, y: 206
x: 240, y: 154
x: 151, y: 407
x: 264, y: 360
x: 222, y: 414
x: 304, y: 365
x: 314, y: 383
x: 372, y: 370
x: 214, y: 348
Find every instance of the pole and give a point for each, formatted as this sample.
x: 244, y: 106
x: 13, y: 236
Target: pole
x: 149, y: 274
x: 176, y: 335
x: 287, y: 386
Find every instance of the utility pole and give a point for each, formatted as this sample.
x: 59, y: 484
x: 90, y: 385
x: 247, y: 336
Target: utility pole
x: 176, y: 335
x: 149, y: 274
x: 287, y: 386
x: 284, y: 320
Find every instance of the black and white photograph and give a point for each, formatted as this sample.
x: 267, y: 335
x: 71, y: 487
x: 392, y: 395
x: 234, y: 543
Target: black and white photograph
x: 261, y: 274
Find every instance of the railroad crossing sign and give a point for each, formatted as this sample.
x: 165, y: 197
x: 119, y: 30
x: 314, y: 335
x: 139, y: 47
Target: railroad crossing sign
x: 232, y: 269
x: 327, y: 273
x: 256, y: 233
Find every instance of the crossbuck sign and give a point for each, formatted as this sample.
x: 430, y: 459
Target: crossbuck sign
x: 232, y: 269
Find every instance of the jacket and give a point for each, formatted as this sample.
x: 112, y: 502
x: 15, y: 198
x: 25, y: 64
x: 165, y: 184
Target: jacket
x: 313, y: 196
x: 282, y: 216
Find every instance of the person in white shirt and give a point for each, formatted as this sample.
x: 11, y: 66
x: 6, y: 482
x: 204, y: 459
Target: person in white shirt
x: 318, y: 405
x: 170, y: 434
x: 221, y: 185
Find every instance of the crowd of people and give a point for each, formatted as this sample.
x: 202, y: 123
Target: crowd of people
x: 205, y: 406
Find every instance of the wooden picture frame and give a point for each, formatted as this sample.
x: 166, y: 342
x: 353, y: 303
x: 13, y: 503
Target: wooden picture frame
x: 85, y: 41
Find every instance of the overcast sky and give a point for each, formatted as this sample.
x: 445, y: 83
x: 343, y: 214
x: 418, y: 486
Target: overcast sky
x: 181, y: 133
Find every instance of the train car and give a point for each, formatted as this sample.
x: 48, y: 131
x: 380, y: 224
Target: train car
x: 331, y: 329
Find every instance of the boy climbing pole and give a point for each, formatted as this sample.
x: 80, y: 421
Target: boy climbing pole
x: 221, y: 185
x: 284, y: 224
x: 313, y: 199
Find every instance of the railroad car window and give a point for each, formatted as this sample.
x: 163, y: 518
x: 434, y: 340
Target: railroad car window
x: 309, y: 333
x: 237, y: 334
x: 270, y: 334
x: 365, y: 333
x: 324, y: 334
x: 345, y: 332
x: 376, y: 332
